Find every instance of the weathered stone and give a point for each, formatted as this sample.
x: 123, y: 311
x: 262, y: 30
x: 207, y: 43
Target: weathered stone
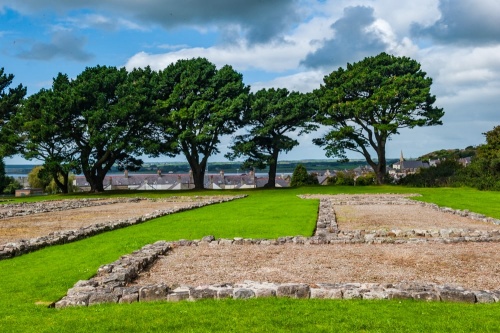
x: 398, y: 294
x: 178, y: 294
x: 375, y: 294
x: 484, y: 297
x: 450, y: 294
x: 326, y: 293
x: 293, y: 290
x: 243, y: 293
x: 202, y: 293
x: 153, y: 293
x: 351, y: 294
x: 426, y: 296
x: 98, y: 298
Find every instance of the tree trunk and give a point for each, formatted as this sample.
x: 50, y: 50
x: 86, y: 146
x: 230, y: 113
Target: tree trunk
x: 273, y: 165
x: 198, y: 170
x: 63, y: 186
x: 381, y: 164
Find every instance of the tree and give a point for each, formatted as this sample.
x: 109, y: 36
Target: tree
x: 37, y: 178
x: 273, y: 114
x: 300, y: 177
x: 484, y: 170
x: 45, y: 134
x: 198, y: 104
x: 369, y: 102
x: 10, y: 101
x: 110, y: 119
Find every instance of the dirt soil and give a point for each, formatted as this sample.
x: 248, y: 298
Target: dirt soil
x: 41, y: 224
x: 470, y: 265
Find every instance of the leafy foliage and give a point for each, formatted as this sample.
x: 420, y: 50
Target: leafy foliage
x: 273, y: 114
x: 301, y: 177
x: 443, y: 174
x: 369, y: 102
x: 484, y: 171
x: 10, y: 100
x: 449, y: 154
x: 45, y: 135
x: 199, y: 103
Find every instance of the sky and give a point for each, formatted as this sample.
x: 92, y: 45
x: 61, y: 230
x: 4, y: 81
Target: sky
x: 289, y: 44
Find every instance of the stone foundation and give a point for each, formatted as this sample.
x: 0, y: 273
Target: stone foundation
x: 112, y: 282
x: 21, y: 247
x: 111, y: 285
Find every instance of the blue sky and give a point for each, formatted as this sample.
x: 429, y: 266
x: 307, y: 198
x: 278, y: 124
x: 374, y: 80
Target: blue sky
x: 280, y: 43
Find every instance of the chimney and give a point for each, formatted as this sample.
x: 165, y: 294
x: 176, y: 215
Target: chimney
x: 125, y: 173
x: 158, y: 172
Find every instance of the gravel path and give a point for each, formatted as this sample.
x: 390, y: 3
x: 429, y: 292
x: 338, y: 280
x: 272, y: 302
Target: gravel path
x: 469, y: 265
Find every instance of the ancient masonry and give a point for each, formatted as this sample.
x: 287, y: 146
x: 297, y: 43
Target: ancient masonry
x: 24, y: 246
x: 111, y: 284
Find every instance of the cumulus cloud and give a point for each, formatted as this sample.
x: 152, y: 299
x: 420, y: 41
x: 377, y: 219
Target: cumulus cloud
x: 63, y: 44
x: 302, y: 82
x: 474, y: 22
x: 354, y: 38
x: 257, y: 21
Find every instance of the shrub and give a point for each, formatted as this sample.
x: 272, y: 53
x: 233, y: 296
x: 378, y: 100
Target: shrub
x: 301, y: 177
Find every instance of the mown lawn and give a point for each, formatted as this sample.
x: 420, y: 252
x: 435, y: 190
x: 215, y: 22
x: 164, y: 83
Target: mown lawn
x: 30, y: 282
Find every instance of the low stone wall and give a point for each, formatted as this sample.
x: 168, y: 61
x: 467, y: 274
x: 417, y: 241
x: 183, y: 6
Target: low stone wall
x: 110, y: 285
x: 327, y: 230
x: 112, y: 282
x: 21, y: 247
x: 28, y: 208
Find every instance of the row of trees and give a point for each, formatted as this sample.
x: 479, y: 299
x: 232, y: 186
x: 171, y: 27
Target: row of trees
x: 107, y: 116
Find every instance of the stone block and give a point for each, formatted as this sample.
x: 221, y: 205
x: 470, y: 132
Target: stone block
x: 484, y: 297
x: 322, y: 293
x: 426, y: 296
x: 202, y: 293
x: 292, y: 290
x: 129, y: 298
x: 98, y: 298
x: 243, y: 293
x: 449, y: 294
x: 351, y: 294
x: 375, y: 294
x: 153, y: 293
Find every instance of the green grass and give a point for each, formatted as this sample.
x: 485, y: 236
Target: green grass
x: 44, y: 276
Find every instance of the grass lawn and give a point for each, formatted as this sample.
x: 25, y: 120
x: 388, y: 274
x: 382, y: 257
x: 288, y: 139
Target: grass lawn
x: 30, y: 282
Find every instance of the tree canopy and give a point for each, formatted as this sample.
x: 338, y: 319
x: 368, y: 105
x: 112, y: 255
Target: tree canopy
x: 10, y: 100
x: 273, y: 114
x: 45, y: 134
x: 199, y: 103
x: 370, y: 101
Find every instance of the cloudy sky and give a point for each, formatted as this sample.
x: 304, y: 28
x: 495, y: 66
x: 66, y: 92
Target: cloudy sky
x: 274, y: 43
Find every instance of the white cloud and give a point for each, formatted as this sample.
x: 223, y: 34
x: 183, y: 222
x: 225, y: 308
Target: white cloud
x: 303, y: 82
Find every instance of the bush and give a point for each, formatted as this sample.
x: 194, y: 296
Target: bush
x: 300, y: 177
x: 366, y: 180
x: 443, y: 174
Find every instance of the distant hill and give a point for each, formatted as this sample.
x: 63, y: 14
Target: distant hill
x: 449, y: 154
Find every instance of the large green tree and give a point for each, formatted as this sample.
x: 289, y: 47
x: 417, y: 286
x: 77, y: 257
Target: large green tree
x: 110, y: 119
x: 370, y: 101
x: 10, y: 100
x: 198, y: 104
x: 45, y: 133
x: 272, y: 116
x: 484, y: 171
